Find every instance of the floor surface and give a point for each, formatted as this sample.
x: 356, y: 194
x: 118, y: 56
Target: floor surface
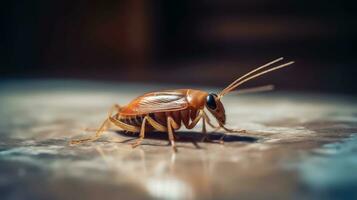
x: 298, y: 146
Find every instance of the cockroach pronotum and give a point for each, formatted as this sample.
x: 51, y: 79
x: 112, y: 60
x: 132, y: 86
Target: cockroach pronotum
x: 167, y: 110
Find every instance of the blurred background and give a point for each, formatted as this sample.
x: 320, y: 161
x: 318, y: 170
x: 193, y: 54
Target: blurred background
x: 203, y: 42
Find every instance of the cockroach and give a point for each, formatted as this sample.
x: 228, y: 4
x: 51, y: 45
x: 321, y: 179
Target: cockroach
x: 167, y: 110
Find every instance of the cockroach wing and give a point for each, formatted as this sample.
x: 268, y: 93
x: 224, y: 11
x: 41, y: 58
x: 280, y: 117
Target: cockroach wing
x: 157, y: 102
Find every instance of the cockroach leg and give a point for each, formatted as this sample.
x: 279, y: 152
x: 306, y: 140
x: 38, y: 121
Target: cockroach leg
x: 124, y: 126
x: 153, y: 123
x: 115, y: 107
x: 116, y: 140
x: 108, y: 128
x: 99, y: 132
x: 142, y: 134
x: 204, y: 130
x: 221, y: 140
x: 233, y: 130
x: 216, y: 129
x: 156, y: 125
x: 171, y: 124
x: 208, y: 120
x: 196, y: 120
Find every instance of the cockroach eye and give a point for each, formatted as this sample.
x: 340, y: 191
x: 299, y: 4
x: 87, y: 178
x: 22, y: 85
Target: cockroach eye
x: 211, y: 102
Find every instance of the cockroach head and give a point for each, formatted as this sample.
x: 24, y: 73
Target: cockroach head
x: 215, y: 107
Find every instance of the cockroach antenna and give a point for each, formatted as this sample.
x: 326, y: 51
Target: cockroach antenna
x: 255, y: 89
x: 253, y: 74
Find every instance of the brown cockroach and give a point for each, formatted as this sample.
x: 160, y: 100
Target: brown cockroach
x: 167, y: 110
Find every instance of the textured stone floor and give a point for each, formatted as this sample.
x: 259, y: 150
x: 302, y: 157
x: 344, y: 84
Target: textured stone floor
x: 299, y: 146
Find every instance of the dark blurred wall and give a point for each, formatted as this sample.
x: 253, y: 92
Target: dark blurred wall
x: 204, y: 41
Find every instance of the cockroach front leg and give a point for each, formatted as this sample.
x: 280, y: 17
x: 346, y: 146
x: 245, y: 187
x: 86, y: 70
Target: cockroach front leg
x: 208, y: 120
x: 196, y: 120
x: 204, y: 130
x: 233, y: 130
x: 201, y: 115
x: 204, y: 120
x: 221, y: 140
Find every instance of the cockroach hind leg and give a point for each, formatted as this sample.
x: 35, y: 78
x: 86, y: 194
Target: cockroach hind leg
x: 117, y: 140
x: 115, y: 107
x: 79, y: 141
x: 98, y: 134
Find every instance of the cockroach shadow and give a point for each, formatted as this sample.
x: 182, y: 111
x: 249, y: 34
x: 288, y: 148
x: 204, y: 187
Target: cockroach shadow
x: 191, y: 136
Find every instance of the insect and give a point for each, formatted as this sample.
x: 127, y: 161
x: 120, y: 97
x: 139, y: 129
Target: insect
x: 168, y: 110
